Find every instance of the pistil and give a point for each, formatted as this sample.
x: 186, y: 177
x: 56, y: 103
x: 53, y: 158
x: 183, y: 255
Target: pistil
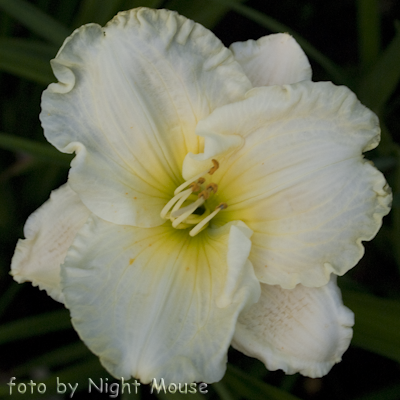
x: 184, y: 217
x: 186, y: 211
x: 202, y: 225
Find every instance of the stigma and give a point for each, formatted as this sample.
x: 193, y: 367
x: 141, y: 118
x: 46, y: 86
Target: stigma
x: 183, y: 208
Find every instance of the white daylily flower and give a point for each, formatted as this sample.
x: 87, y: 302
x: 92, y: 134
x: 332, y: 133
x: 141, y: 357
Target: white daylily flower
x: 201, y: 211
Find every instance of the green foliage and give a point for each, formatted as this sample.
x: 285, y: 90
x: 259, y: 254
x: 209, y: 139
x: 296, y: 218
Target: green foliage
x: 41, y: 151
x: 377, y: 326
x: 36, y: 20
x: 381, y: 80
x: 27, y: 59
x: 32, y: 326
x: 251, y: 388
x: 369, y: 31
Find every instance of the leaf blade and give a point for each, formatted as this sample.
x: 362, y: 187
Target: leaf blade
x: 34, y: 326
x: 251, y: 388
x: 42, y: 151
x: 27, y: 59
x: 377, y: 326
x: 379, y: 83
x: 36, y: 20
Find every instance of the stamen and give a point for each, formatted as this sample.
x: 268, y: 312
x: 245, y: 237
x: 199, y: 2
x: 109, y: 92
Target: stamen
x: 198, y: 177
x: 215, y: 167
x: 178, y: 212
x: 202, y: 225
x: 194, y: 179
x: 167, y: 207
x: 186, y: 211
x: 183, y: 218
x: 178, y: 205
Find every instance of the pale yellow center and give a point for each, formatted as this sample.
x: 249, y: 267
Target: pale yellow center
x: 188, y: 208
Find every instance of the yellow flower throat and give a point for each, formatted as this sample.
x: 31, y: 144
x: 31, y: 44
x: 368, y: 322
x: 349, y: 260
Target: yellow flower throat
x: 197, y: 195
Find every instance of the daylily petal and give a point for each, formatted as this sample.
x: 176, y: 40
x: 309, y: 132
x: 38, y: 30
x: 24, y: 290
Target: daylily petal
x: 127, y: 102
x: 300, y: 181
x: 155, y: 303
x: 216, y: 146
x: 304, y: 330
x: 272, y: 60
x: 49, y: 232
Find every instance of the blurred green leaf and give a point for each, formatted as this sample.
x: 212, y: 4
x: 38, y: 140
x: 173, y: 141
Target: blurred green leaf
x: 385, y: 163
x: 368, y: 18
x: 34, y: 326
x: 29, y: 47
x: 7, y: 222
x: 377, y: 326
x: 252, y: 389
x: 396, y: 200
x: 36, y: 20
x: 27, y: 59
x: 91, y: 11
x: 60, y: 356
x: 380, y: 82
x: 201, y: 13
x: 289, y: 381
x: 6, y: 24
x: 62, y: 11
x: 41, y: 151
x: 223, y: 392
x: 22, y: 166
x: 8, y: 296
x: 388, y: 393
x: 128, y: 4
x: 337, y: 73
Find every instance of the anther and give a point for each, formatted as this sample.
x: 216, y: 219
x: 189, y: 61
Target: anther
x: 205, y: 194
x: 215, y: 167
x: 212, y: 187
x: 222, y: 206
x: 197, y: 178
x: 195, y: 187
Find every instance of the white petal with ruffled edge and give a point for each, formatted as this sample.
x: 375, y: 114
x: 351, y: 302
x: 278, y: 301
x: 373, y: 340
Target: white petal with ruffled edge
x: 128, y: 100
x: 156, y: 303
x: 272, y: 60
x: 49, y: 232
x: 300, y: 181
x: 304, y: 330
